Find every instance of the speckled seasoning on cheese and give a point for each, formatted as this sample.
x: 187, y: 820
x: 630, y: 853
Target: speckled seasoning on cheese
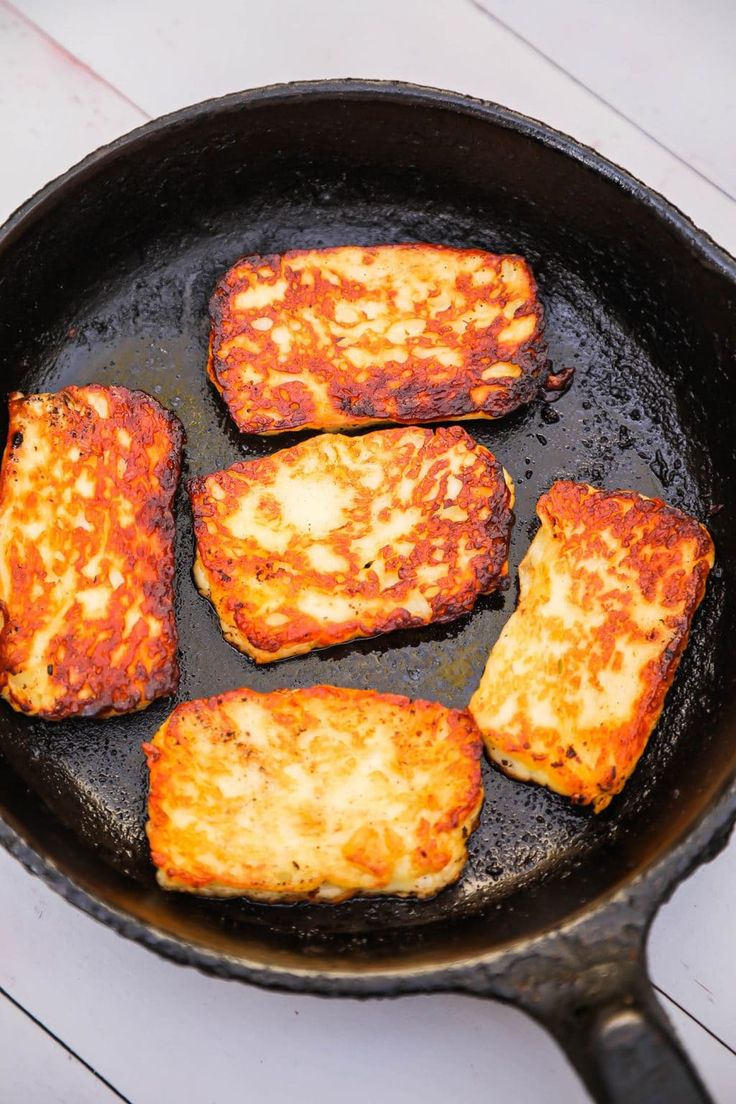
x: 577, y: 679
x: 341, y: 537
x: 318, y: 794
x: 355, y: 335
x: 87, y: 552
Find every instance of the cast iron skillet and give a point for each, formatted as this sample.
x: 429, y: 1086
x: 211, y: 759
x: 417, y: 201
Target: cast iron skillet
x: 105, y: 276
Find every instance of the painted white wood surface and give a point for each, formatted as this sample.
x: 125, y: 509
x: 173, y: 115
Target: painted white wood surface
x: 35, y: 1069
x: 151, y: 1024
x: 168, y: 53
x: 157, y: 1031
x: 667, y: 64
x: 692, y: 948
x: 53, y: 111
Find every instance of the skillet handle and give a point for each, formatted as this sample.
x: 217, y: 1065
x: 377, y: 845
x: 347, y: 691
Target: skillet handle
x: 588, y: 986
x: 625, y: 1048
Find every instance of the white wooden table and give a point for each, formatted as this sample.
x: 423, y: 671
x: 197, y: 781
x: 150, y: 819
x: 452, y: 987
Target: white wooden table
x: 88, y: 1017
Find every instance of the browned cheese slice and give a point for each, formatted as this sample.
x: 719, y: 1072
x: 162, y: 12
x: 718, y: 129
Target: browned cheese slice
x: 342, y: 537
x: 320, y: 794
x: 87, y: 552
x: 327, y: 338
x: 576, y: 682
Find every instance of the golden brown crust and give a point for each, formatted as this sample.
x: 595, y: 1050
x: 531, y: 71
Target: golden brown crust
x: 342, y: 537
x: 352, y: 336
x: 87, y: 552
x: 318, y: 794
x: 576, y: 682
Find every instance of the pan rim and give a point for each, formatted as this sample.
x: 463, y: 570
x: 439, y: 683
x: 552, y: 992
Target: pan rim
x: 699, y: 241
x: 698, y: 842
x: 632, y: 904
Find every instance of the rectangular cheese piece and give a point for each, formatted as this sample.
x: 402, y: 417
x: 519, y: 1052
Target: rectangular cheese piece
x: 318, y: 794
x: 87, y: 552
x: 351, y: 336
x: 577, y: 680
x: 341, y: 537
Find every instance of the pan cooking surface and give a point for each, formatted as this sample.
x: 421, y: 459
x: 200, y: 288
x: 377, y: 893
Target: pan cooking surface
x: 618, y: 426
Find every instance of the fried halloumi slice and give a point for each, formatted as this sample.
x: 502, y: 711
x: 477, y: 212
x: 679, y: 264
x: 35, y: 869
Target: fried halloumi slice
x: 577, y: 680
x: 86, y: 552
x: 321, y: 793
x: 341, y: 537
x: 352, y: 336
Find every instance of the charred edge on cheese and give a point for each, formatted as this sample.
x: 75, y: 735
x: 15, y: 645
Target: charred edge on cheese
x: 417, y: 388
x: 641, y: 569
x: 236, y: 574
x: 75, y: 673
x: 318, y: 794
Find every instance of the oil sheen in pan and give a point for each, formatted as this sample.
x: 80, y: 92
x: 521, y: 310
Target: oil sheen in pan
x: 616, y: 426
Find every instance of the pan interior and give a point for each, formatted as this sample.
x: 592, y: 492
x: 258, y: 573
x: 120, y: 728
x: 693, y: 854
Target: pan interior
x: 632, y: 418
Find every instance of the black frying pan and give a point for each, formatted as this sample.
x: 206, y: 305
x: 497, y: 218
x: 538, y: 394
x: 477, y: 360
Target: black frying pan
x: 105, y: 276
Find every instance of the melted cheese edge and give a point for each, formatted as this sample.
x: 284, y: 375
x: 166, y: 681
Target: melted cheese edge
x: 339, y: 537
x: 576, y: 681
x: 320, y: 793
